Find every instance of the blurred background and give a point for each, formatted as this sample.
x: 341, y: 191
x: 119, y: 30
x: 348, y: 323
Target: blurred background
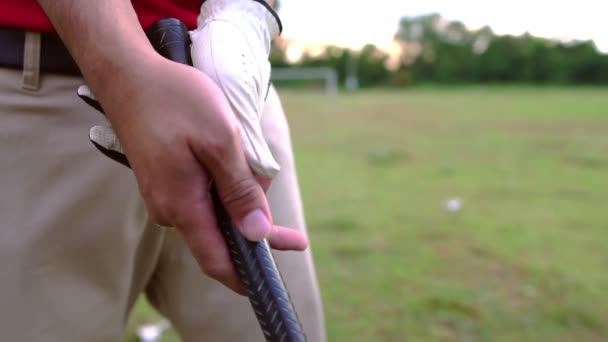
x: 453, y: 159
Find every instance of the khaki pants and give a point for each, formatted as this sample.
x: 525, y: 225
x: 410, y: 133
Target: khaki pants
x: 76, y: 245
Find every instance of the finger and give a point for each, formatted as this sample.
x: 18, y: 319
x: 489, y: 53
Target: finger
x: 106, y: 141
x: 287, y: 239
x: 87, y: 96
x: 106, y: 137
x: 264, y: 182
x: 238, y: 189
x: 245, y: 200
x: 199, y: 229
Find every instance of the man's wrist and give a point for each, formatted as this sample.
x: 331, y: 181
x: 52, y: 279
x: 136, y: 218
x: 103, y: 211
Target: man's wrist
x: 108, y: 74
x: 104, y: 37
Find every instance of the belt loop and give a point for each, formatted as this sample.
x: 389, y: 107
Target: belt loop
x: 31, y: 61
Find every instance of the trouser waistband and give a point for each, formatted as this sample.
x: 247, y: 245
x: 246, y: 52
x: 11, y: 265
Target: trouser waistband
x: 19, y: 48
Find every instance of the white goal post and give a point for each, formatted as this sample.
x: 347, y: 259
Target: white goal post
x: 328, y: 75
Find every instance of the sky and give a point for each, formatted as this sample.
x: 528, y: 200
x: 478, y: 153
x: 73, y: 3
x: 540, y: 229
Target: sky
x: 353, y: 23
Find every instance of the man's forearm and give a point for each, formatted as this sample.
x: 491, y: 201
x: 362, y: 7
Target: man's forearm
x: 104, y: 37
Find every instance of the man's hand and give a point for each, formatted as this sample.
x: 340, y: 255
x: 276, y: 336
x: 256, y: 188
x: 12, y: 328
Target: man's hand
x: 177, y: 130
x: 177, y: 141
x: 231, y: 45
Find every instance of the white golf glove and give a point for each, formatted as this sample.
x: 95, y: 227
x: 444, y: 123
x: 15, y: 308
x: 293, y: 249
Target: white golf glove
x: 231, y: 45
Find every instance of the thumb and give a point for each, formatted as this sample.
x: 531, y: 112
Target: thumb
x: 239, y: 190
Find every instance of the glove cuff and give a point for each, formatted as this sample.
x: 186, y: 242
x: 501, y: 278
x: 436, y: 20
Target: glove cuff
x: 258, y: 12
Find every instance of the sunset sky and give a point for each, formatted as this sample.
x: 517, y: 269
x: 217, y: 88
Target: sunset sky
x: 356, y: 22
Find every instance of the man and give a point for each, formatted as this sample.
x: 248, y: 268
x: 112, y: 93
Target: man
x: 77, y: 246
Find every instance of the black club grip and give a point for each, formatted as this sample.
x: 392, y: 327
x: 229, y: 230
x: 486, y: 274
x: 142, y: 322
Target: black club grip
x: 253, y: 260
x: 170, y: 39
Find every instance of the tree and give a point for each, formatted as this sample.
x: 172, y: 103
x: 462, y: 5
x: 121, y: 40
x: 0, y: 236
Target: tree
x: 440, y: 51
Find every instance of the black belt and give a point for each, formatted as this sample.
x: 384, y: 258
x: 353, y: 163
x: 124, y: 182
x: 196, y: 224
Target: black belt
x: 54, y: 56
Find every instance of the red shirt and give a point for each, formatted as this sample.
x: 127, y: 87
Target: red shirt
x: 27, y: 14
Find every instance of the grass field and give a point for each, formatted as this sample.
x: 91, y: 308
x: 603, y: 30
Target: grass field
x: 525, y: 260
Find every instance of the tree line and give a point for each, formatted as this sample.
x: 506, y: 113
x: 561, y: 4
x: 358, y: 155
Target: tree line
x: 435, y: 50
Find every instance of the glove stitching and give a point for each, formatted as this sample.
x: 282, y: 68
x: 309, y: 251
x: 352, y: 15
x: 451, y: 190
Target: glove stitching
x: 273, y: 12
x: 222, y: 86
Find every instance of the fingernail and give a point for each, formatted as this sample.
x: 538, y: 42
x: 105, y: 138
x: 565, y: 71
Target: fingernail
x: 256, y: 226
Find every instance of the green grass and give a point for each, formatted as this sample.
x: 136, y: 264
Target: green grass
x: 525, y: 260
